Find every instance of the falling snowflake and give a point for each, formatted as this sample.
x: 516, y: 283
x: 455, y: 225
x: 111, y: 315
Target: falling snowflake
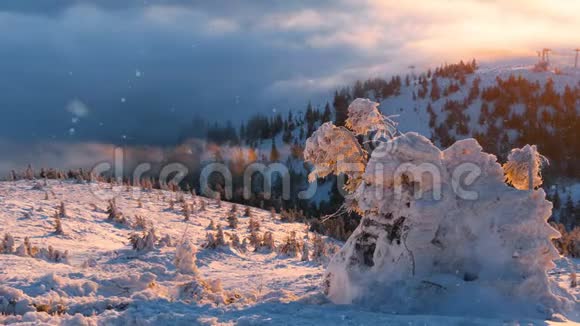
x: 138, y: 73
x: 123, y: 100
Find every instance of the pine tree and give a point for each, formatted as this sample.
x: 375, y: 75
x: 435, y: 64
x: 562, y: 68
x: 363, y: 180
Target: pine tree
x: 274, y: 154
x: 220, y: 238
x: 327, y: 114
x: 232, y: 220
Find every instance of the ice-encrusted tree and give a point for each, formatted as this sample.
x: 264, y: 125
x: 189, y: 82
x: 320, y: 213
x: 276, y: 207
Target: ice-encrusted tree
x: 523, y: 168
x: 436, y: 225
x: 185, y: 257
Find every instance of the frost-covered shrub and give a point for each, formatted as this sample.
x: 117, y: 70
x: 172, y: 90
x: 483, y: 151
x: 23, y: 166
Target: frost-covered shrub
x: 236, y: 243
x: 185, y: 257
x: 201, y: 205
x: 166, y: 241
x: 255, y: 239
x: 291, y: 215
x: 291, y: 247
x: 140, y: 223
x: 7, y: 245
x: 248, y: 212
x: 53, y: 255
x: 201, y: 291
x: 421, y: 223
x: 211, y: 225
x: 253, y: 225
x: 234, y: 209
x: 305, y: 251
x: 232, y: 220
x: 569, y: 243
x: 319, y: 251
x: 115, y: 215
x: 62, y: 210
x: 145, y: 242
x: 268, y: 241
x: 217, y: 240
x: 58, y: 230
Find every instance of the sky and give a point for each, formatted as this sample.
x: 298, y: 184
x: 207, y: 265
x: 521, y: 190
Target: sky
x: 138, y: 71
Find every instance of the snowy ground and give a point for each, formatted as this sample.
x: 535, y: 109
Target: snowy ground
x: 105, y: 282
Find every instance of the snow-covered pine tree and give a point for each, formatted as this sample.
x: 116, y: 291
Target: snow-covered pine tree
x: 419, y: 227
x: 185, y: 257
x: 523, y: 168
x: 235, y: 240
x: 232, y: 220
x: 220, y: 237
x: 291, y: 246
x: 254, y: 224
x: 255, y: 240
x: 268, y: 241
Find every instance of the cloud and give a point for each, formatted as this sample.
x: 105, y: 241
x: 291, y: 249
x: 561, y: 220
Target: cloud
x: 227, y: 60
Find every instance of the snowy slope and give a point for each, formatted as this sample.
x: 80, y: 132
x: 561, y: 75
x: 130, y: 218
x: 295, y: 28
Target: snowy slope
x: 105, y: 282
x: 412, y: 114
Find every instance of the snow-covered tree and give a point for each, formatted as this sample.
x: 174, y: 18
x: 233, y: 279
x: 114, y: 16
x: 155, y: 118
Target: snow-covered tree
x: 523, y: 168
x: 146, y: 242
x: 291, y: 246
x: 268, y: 241
x: 433, y: 220
x: 232, y: 220
x: 254, y: 224
x: 185, y: 257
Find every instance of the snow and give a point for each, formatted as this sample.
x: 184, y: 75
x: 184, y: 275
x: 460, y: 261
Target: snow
x: 412, y: 114
x: 426, y: 243
x: 105, y: 282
